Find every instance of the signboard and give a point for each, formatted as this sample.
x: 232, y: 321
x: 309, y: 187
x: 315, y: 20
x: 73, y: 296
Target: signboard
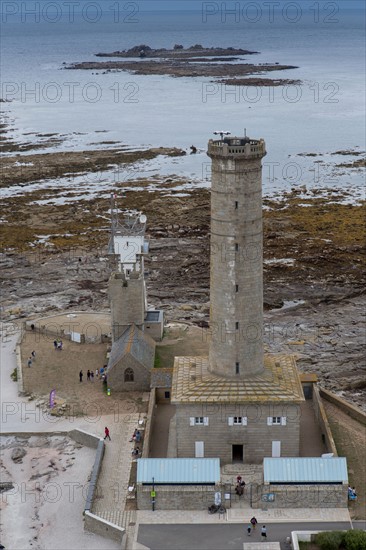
x: 153, y: 494
x: 76, y: 337
x: 268, y: 497
x: 52, y: 398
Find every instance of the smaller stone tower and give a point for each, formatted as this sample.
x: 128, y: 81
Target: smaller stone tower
x: 127, y: 291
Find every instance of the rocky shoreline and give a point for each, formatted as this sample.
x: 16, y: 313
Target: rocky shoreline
x: 54, y: 256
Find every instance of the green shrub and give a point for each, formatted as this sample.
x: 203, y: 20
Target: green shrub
x: 355, y: 540
x: 329, y: 540
x: 14, y: 375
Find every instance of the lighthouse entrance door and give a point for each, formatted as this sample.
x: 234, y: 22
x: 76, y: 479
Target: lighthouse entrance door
x: 238, y: 453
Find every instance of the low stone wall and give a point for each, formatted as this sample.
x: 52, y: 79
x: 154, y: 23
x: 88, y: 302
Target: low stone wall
x: 51, y: 327
x: 177, y: 497
x: 149, y: 424
x: 93, y: 523
x: 18, y: 358
x: 85, y: 438
x: 41, y: 329
x: 94, y: 476
x: 302, y: 496
x: 102, y: 527
x: 321, y: 416
x: 346, y: 407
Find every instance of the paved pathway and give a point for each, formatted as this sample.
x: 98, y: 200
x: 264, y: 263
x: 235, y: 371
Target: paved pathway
x: 311, y: 443
x: 220, y: 536
x: 306, y: 515
x: 113, y: 480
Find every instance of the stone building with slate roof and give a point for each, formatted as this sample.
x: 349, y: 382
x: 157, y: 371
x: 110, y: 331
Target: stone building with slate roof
x: 237, y: 404
x: 134, y: 326
x: 131, y: 360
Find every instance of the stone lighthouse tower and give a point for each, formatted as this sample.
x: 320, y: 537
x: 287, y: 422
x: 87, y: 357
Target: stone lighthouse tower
x: 236, y: 287
x: 237, y: 403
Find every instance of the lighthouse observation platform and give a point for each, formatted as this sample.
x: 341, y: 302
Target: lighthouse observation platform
x: 237, y: 147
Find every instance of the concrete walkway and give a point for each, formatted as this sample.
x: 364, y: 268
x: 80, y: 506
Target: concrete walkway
x: 113, y: 482
x: 311, y: 443
x: 160, y: 432
x: 239, y: 516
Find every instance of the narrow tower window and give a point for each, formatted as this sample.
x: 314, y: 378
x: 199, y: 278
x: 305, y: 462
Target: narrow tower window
x: 236, y: 205
x: 236, y: 247
x: 236, y: 288
x: 237, y: 368
x: 237, y: 325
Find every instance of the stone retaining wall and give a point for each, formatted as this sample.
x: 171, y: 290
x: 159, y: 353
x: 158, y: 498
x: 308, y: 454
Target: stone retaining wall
x: 196, y: 497
x: 92, y: 522
x: 149, y: 424
x: 346, y: 407
x: 94, y: 476
x: 102, y: 527
x: 85, y: 438
x: 50, y: 328
x: 303, y: 496
x: 323, y: 421
x: 18, y: 355
x: 177, y: 497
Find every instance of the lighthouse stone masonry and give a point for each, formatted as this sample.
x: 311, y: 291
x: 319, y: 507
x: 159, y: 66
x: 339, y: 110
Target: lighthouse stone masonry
x: 237, y: 404
x: 236, y: 288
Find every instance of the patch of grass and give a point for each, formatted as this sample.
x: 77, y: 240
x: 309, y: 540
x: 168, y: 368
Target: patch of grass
x: 157, y: 360
x: 14, y: 375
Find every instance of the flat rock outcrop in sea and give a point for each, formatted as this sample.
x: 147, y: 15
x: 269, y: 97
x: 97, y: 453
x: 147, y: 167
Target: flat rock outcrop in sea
x: 178, y: 52
x: 196, y: 61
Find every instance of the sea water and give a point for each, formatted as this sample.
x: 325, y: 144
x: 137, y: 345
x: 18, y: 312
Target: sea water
x: 323, y: 115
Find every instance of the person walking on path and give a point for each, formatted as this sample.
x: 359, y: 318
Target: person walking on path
x: 88, y: 375
x: 92, y: 376
x: 81, y: 376
x: 249, y: 529
x: 264, y: 533
x: 29, y: 362
x: 33, y: 354
x: 106, y: 432
x: 55, y: 344
x: 254, y: 522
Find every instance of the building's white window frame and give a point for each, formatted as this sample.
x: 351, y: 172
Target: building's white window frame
x: 198, y: 421
x: 276, y: 421
x: 237, y: 421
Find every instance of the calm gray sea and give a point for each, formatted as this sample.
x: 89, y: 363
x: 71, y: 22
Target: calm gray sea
x: 323, y: 115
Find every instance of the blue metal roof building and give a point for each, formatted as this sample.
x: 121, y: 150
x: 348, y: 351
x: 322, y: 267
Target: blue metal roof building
x: 178, y: 471
x: 305, y: 470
